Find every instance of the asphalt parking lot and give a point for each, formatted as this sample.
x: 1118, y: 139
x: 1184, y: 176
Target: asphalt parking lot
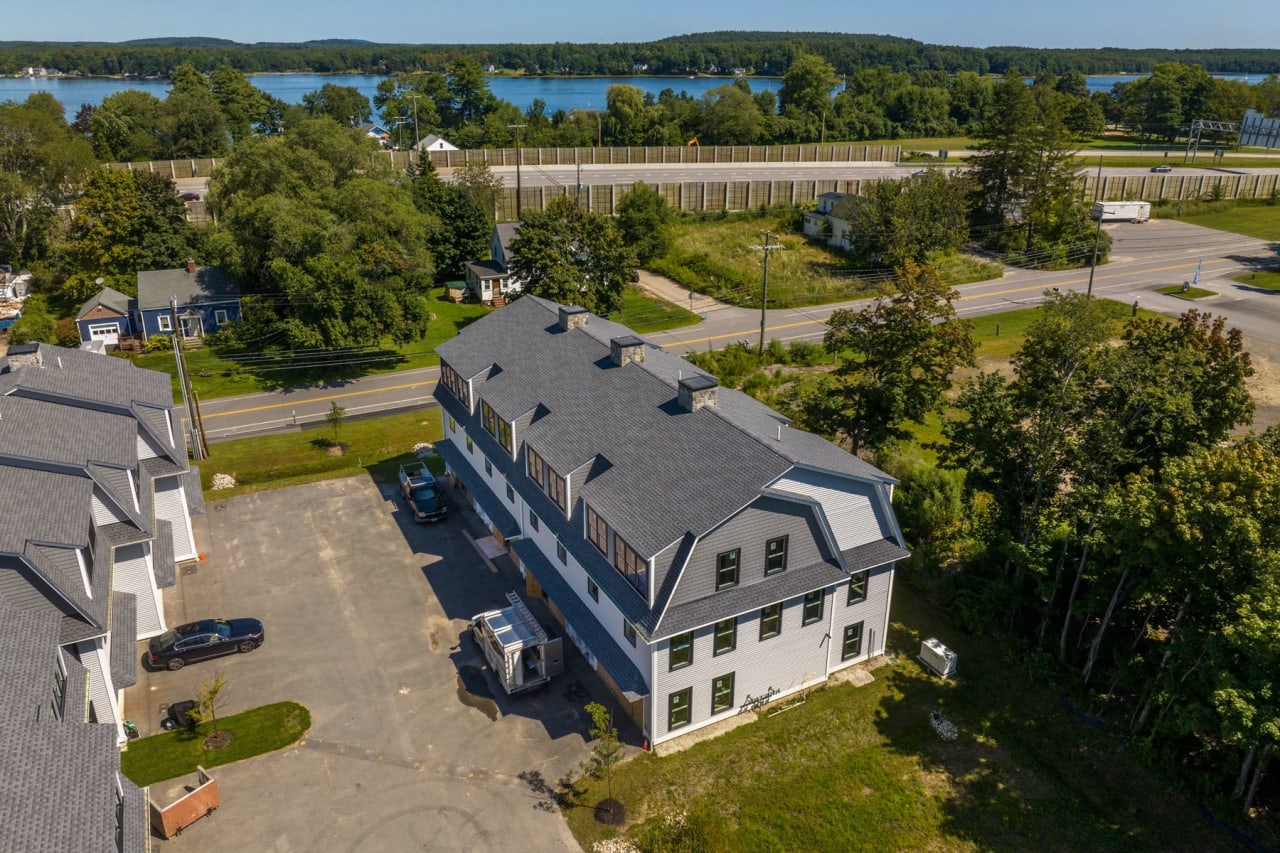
x: 411, y: 746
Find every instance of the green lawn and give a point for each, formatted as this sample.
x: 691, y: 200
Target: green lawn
x: 375, y: 446
x: 642, y: 313
x: 858, y: 768
x: 1189, y: 293
x: 715, y: 256
x: 1252, y: 220
x: 1263, y: 279
x: 171, y: 754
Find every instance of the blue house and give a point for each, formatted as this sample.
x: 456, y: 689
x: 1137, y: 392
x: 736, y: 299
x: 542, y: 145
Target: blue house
x: 207, y: 299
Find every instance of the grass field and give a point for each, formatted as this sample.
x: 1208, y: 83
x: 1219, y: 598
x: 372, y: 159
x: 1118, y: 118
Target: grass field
x: 1263, y: 279
x: 716, y: 256
x: 172, y: 754
x: 374, y: 446
x: 643, y: 313
x: 859, y: 768
x: 1252, y: 220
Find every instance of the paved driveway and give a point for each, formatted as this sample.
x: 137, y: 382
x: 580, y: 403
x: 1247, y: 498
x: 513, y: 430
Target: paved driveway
x: 365, y: 614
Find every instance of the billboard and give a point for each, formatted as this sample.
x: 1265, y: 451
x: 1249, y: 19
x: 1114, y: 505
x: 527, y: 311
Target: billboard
x: 1257, y: 129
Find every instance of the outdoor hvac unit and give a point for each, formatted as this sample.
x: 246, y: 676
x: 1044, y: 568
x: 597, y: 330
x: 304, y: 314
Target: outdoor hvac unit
x: 940, y: 660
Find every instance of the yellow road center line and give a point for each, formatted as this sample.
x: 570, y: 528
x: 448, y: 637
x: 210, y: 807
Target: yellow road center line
x: 295, y: 403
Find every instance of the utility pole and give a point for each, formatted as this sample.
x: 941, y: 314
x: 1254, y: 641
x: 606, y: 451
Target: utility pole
x: 1097, y: 236
x: 519, y: 157
x: 415, y: 119
x: 768, y: 247
x: 184, y: 382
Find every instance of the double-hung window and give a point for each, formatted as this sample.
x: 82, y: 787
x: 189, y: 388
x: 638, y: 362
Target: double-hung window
x: 681, y: 650
x: 727, y: 568
x: 488, y: 418
x: 770, y: 621
x: 857, y: 588
x: 725, y: 636
x: 165, y: 323
x: 812, y: 607
x: 678, y: 705
x: 852, y: 645
x: 722, y: 693
x: 775, y: 555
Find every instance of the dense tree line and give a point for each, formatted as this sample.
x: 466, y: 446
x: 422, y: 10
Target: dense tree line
x: 720, y: 52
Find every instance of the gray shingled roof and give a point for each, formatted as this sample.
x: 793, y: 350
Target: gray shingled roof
x: 507, y: 231
x: 124, y: 630
x: 670, y: 471
x: 597, y: 638
x: 162, y: 565
x: 35, y: 508
x: 500, y: 516
x: 83, y: 377
x: 207, y: 284
x: 109, y: 298
x: 487, y: 269
x: 873, y: 554
x: 36, y: 429
x: 57, y: 777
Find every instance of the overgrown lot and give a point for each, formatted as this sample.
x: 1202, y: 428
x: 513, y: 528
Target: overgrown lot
x: 859, y: 768
x: 716, y: 256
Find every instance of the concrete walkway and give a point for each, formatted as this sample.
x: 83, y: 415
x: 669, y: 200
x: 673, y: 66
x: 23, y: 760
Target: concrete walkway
x: 664, y: 288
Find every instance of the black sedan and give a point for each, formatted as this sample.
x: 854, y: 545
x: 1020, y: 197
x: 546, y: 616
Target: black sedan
x: 207, y: 638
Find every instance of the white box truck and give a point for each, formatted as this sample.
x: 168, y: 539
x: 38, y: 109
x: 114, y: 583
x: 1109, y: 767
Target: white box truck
x: 1121, y: 211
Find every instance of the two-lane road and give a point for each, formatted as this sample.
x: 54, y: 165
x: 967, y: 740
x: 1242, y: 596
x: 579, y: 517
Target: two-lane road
x: 1144, y: 257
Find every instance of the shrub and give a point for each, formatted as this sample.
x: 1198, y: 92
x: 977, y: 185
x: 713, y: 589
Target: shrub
x: 66, y: 333
x: 158, y: 343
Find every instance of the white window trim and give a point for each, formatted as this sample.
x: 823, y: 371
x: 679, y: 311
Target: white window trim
x: 164, y: 322
x: 220, y: 316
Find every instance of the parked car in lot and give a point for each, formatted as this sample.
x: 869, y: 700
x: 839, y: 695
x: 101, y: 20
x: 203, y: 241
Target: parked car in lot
x: 207, y: 638
x: 189, y: 196
x: 1163, y: 167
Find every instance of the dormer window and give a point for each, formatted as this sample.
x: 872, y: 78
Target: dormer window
x: 630, y: 564
x: 456, y: 384
x: 555, y: 488
x: 537, y: 468
x: 489, y: 419
x: 504, y: 434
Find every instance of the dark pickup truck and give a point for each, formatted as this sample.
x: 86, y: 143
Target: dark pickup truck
x: 421, y: 493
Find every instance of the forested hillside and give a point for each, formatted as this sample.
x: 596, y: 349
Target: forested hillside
x: 720, y: 52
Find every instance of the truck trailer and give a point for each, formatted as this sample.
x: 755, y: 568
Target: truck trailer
x: 1121, y: 211
x: 522, y: 654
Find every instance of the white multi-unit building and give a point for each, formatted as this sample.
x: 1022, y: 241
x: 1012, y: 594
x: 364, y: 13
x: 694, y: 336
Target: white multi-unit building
x: 699, y: 551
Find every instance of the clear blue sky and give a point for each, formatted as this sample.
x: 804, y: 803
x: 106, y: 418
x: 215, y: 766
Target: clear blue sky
x: 1032, y: 23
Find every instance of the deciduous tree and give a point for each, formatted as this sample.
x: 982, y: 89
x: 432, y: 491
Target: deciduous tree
x: 568, y: 255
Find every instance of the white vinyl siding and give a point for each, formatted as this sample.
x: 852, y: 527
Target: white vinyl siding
x: 132, y: 573
x: 853, y: 508
x: 146, y: 450
x: 94, y: 655
x: 105, y: 511
x: 171, y: 504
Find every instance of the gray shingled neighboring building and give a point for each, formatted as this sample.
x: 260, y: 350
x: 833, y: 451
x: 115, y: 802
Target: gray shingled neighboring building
x: 94, y: 475
x: 698, y: 550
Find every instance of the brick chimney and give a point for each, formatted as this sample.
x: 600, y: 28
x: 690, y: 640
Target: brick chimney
x: 572, y: 317
x: 697, y: 392
x: 191, y: 266
x: 626, y: 350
